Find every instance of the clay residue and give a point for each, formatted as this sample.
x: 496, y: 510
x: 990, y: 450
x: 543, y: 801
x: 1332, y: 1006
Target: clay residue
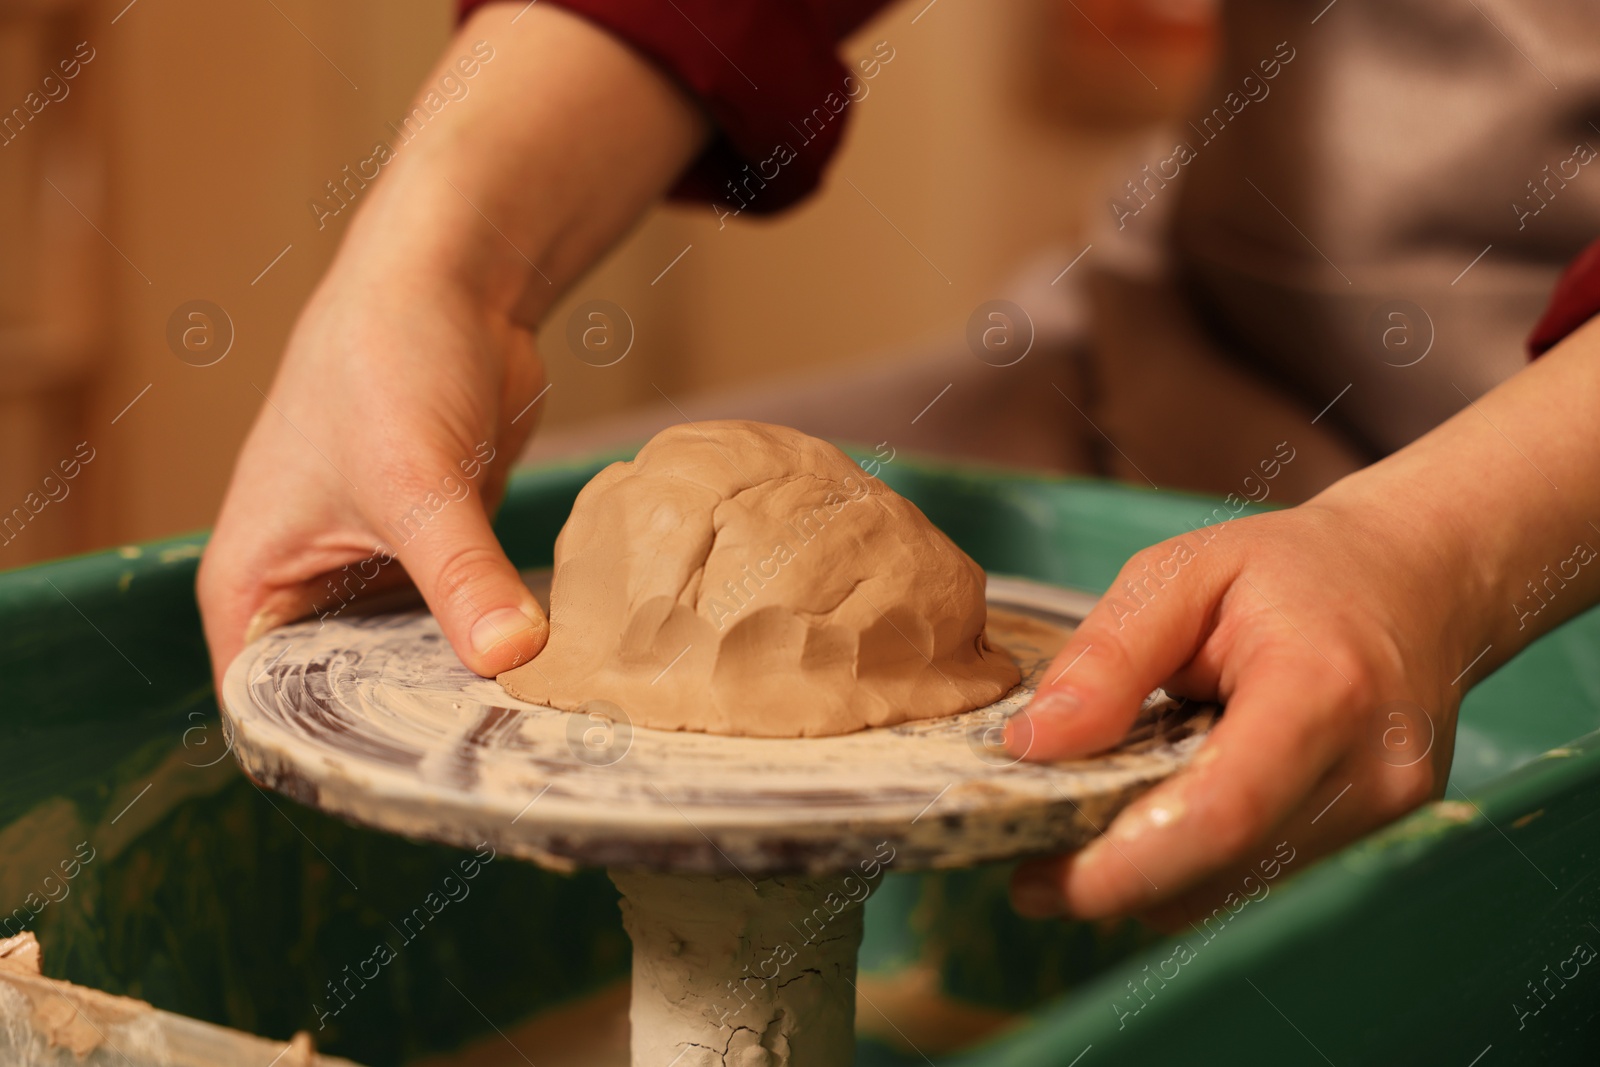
x: 61, y: 1015
x: 732, y: 973
x: 21, y: 953
x: 740, y: 578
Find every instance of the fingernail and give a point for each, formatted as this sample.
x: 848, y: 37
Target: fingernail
x: 1037, y: 898
x: 498, y: 627
x: 1018, y: 736
x: 1165, y: 814
x: 1136, y: 821
x: 1054, y: 702
x: 267, y: 619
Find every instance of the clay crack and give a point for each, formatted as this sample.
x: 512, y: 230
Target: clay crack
x: 722, y: 1055
x: 782, y: 479
x: 803, y: 972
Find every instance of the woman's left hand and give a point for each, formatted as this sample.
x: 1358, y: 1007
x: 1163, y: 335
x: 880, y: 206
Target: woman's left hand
x: 1332, y: 639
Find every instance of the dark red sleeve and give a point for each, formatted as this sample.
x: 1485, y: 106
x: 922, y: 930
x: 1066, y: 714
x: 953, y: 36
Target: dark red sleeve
x: 1574, y: 301
x: 767, y: 73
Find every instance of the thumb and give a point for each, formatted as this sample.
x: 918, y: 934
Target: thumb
x: 486, y: 612
x: 1149, y: 624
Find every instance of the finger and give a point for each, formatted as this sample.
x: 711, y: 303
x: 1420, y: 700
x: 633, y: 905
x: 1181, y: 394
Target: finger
x: 486, y: 612
x: 1369, y: 788
x: 244, y: 592
x: 1148, y: 625
x: 1209, y: 908
x: 1320, y: 826
x: 1259, y: 764
x: 234, y: 613
x: 250, y: 579
x: 238, y: 602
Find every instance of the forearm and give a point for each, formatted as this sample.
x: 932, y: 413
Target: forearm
x: 513, y: 192
x: 1498, y: 507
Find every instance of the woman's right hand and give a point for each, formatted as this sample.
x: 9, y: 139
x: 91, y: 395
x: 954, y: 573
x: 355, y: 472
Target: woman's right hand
x: 384, y: 444
x: 403, y: 398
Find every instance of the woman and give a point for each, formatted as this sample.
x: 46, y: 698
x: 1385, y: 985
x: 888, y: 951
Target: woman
x: 1375, y: 172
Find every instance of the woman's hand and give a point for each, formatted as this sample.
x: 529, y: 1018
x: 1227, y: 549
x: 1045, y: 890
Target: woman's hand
x: 384, y: 444
x: 1334, y: 654
x: 405, y: 392
x: 1340, y: 634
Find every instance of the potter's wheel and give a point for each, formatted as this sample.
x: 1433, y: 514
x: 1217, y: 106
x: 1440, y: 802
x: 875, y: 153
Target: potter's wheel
x: 742, y: 861
x: 374, y: 718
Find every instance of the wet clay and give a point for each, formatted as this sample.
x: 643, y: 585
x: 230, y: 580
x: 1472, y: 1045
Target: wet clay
x: 733, y: 973
x: 746, y: 579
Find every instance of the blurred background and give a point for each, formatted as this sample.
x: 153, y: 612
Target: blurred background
x: 179, y: 162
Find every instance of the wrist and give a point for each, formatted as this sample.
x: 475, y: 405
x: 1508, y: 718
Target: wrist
x: 514, y: 189
x: 1435, y: 578
x: 421, y: 228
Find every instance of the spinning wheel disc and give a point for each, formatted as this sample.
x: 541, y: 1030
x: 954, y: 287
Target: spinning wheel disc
x: 373, y: 718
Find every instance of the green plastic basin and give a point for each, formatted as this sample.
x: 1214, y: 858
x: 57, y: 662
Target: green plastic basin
x: 1450, y: 935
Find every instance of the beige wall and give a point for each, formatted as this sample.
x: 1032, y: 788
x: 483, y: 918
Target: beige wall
x: 197, y: 135
x: 225, y: 121
x: 939, y: 146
